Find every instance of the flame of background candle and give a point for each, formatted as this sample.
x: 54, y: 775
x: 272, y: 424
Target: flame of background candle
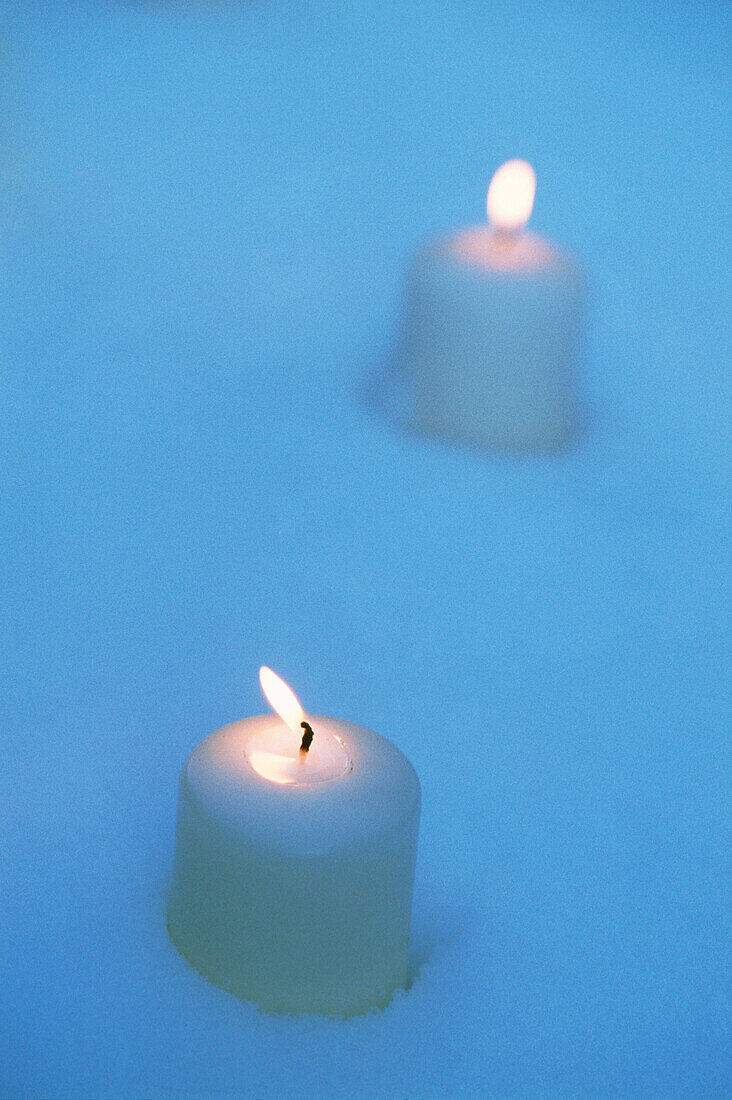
x: 511, y: 195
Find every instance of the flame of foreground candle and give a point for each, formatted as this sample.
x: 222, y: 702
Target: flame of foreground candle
x: 511, y: 195
x: 281, y: 698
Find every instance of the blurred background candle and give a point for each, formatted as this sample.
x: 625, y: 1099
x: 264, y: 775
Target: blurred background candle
x: 294, y: 861
x: 491, y: 331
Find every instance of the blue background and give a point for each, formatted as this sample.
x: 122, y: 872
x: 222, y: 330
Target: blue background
x: 206, y: 213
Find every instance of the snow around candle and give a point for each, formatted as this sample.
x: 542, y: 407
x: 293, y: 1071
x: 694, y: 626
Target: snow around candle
x: 492, y: 327
x: 294, y: 861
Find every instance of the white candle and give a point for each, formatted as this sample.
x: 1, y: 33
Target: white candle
x: 293, y: 870
x: 492, y: 327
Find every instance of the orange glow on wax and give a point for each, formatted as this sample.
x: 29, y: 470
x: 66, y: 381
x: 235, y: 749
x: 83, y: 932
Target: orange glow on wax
x: 511, y: 195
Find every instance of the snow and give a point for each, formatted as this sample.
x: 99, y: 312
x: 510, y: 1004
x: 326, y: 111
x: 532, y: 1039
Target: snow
x: 207, y: 211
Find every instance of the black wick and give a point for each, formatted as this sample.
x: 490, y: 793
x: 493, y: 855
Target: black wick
x: 307, y: 737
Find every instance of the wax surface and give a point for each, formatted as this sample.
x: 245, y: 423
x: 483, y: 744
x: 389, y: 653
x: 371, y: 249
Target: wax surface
x: 297, y: 897
x: 274, y: 754
x: 490, y: 341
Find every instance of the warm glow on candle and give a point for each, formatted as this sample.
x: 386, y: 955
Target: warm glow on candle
x: 281, y: 698
x: 511, y: 195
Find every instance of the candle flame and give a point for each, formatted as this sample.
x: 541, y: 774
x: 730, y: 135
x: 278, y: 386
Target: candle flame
x: 511, y: 195
x: 281, y: 698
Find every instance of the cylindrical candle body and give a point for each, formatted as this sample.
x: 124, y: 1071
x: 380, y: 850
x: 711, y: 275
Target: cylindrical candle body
x: 296, y: 896
x: 490, y: 340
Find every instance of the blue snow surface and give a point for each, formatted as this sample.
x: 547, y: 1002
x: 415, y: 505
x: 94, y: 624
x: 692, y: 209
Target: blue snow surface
x: 207, y: 211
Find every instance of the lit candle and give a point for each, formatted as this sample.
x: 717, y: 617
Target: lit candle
x: 294, y: 861
x: 492, y: 327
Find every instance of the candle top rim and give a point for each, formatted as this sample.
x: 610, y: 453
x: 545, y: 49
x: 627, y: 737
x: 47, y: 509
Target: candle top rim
x: 484, y: 251
x: 486, y: 247
x: 374, y: 795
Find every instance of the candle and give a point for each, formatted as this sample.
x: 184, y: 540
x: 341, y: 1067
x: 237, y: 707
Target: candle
x: 492, y: 326
x: 294, y: 861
